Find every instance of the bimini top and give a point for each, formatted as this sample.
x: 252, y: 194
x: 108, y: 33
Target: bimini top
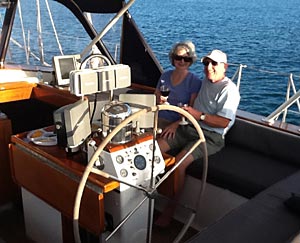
x: 96, y: 6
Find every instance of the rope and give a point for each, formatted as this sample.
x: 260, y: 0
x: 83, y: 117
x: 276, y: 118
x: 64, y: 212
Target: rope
x: 107, y: 27
x: 39, y: 30
x: 23, y: 33
x: 53, y: 27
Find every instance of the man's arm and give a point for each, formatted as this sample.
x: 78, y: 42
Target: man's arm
x: 211, y: 120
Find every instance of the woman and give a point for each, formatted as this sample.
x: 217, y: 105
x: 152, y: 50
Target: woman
x: 183, y: 84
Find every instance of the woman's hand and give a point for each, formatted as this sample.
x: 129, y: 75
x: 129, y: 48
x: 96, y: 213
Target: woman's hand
x: 170, y: 130
x: 163, y: 99
x: 159, y: 98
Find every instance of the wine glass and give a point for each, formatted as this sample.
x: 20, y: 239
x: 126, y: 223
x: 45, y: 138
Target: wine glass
x: 164, y: 90
x: 183, y: 120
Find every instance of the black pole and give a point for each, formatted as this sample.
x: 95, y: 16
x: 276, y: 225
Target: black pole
x: 9, y: 18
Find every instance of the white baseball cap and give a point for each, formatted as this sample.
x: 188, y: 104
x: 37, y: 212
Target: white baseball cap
x: 217, y: 56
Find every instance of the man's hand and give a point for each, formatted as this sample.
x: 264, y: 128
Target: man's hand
x: 195, y: 113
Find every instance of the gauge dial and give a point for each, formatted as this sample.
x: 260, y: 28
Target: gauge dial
x: 124, y: 173
x: 140, y: 162
x: 156, y: 159
x: 151, y: 146
x: 119, y: 159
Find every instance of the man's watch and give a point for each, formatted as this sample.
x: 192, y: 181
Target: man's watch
x: 202, y: 117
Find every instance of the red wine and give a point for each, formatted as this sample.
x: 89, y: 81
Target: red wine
x: 165, y: 93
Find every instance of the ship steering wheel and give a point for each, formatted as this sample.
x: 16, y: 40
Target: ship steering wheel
x: 151, y: 191
x: 94, y: 61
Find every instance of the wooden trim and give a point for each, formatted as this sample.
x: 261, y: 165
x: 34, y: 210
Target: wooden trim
x: 13, y: 91
x: 67, y: 229
x: 8, y: 189
x: 57, y: 189
x: 53, y: 176
x: 136, y: 140
x: 53, y: 96
x: 258, y: 119
x: 135, y: 86
x: 74, y: 164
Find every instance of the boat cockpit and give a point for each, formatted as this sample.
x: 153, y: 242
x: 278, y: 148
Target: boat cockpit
x: 80, y: 155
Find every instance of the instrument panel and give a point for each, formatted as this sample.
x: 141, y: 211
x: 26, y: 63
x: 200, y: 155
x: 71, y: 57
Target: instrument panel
x: 133, y: 163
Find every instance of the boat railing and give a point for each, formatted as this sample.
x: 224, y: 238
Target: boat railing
x: 290, y: 99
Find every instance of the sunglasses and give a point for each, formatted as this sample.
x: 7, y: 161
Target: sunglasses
x: 179, y: 58
x: 207, y: 62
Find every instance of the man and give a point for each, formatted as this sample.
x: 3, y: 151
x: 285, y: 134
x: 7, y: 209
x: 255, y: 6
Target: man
x: 215, y: 109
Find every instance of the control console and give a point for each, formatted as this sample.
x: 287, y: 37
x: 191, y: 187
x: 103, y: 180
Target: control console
x: 131, y: 162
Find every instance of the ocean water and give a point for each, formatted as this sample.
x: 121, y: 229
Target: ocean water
x: 264, y: 35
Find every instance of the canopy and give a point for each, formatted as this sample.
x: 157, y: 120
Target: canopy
x: 96, y: 6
